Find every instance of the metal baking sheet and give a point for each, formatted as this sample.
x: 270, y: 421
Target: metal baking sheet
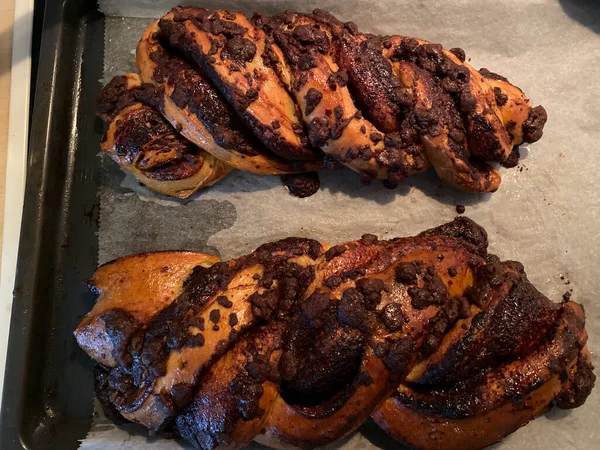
x: 544, y: 215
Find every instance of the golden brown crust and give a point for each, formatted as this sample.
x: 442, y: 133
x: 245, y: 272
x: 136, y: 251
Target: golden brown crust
x: 201, y: 115
x: 296, y: 344
x: 495, y: 112
x: 443, y: 137
x: 334, y: 123
x: 504, y: 401
x: 137, y: 286
x: 294, y: 79
x: 231, y: 51
x: 143, y: 143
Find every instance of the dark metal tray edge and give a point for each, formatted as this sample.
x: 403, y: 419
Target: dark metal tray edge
x: 48, y: 387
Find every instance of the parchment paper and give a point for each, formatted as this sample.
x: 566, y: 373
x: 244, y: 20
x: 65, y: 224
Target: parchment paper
x: 545, y: 214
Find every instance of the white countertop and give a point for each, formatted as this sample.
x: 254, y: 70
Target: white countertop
x: 16, y: 157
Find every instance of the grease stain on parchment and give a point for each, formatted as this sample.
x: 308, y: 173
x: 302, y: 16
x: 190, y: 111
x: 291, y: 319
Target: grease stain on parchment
x: 129, y: 225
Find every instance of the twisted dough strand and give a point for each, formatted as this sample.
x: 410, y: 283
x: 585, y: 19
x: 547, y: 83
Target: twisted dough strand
x: 298, y: 343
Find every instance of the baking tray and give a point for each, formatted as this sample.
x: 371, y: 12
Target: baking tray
x: 48, y: 387
x: 48, y: 381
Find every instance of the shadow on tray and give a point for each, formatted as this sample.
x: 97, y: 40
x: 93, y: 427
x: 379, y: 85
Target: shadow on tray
x: 586, y: 12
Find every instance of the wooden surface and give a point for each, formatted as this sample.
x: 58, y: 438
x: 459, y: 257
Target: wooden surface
x: 6, y: 25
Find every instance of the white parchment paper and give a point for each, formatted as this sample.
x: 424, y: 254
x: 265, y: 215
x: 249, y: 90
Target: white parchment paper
x: 546, y: 213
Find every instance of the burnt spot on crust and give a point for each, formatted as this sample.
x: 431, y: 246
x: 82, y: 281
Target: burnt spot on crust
x: 102, y: 389
x: 302, y: 185
x: 371, y: 80
x: 114, y: 97
x: 120, y: 327
x: 396, y: 355
x: 465, y: 229
x: 580, y: 385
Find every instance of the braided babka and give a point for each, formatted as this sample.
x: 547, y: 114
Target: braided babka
x: 283, y: 94
x: 297, y: 344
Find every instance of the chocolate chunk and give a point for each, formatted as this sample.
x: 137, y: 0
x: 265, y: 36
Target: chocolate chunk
x: 452, y: 271
x: 214, y: 316
x: 533, y: 127
x: 182, y: 393
x: 233, y: 320
x: 275, y: 124
x: 195, y: 340
x: 318, y: 131
x: 310, y: 35
x: 376, y: 137
x: 364, y: 379
x: 421, y: 298
x: 351, y: 27
x: 433, y: 292
x: 339, y: 78
x: 395, y: 355
x: 239, y: 49
x: 406, y: 272
x: 335, y: 251
x: 313, y: 98
x: 307, y: 62
x: 263, y: 305
x: 501, y: 97
x: 353, y: 274
x: 333, y: 282
x: 393, y: 318
x: 369, y: 238
x: 371, y: 289
x: 251, y: 94
x: 197, y: 322
x: 459, y: 53
x: 352, y: 311
x: 300, y: 81
x: 315, y: 307
x: 460, y: 209
x: 224, y: 301
x: 302, y: 184
x: 494, y: 76
x: 513, y: 158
